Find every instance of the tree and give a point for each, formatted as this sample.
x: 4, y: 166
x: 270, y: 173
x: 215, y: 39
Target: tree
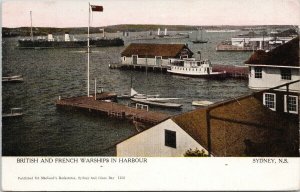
x: 195, y: 153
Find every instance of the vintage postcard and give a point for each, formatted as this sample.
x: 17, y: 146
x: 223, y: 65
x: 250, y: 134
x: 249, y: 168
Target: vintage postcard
x: 150, y: 95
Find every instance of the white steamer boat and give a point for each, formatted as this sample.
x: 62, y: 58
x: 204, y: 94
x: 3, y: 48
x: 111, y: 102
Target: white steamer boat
x: 194, y: 68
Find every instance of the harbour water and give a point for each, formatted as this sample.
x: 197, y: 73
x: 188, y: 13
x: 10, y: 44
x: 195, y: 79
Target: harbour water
x: 44, y: 130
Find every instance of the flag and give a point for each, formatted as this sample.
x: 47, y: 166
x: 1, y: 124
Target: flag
x: 97, y: 8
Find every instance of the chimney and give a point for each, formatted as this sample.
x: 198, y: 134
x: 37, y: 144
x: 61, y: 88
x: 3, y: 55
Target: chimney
x: 67, y: 37
x: 165, y: 31
x: 50, y: 37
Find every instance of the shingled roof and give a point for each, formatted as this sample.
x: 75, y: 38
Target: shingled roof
x: 240, y: 127
x: 152, y: 50
x: 284, y: 55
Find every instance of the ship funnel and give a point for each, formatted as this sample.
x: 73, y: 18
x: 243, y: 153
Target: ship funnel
x: 158, y: 31
x: 67, y: 37
x: 50, y: 37
x: 165, y: 31
x: 103, y: 32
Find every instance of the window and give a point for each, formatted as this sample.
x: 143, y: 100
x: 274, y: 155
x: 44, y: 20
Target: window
x: 170, y: 138
x: 184, y: 56
x: 257, y: 72
x: 269, y: 100
x: 286, y: 74
x: 124, y: 58
x: 291, y: 105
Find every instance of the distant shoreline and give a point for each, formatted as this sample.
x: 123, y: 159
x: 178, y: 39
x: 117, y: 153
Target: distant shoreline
x: 25, y: 31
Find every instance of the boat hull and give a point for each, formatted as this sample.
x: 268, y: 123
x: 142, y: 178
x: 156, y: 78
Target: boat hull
x: 199, y: 42
x: 12, y: 79
x: 43, y: 44
x: 213, y: 75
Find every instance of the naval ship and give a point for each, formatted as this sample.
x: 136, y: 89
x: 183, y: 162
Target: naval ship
x: 50, y: 42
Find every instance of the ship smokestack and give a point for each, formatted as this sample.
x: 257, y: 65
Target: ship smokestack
x: 50, y: 37
x: 103, y: 32
x: 67, y: 37
x: 165, y: 31
x: 158, y: 31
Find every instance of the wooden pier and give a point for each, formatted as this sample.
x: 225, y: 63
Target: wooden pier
x: 112, y: 109
x: 233, y: 71
x: 139, y: 67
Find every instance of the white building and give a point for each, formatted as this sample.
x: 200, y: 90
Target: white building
x: 154, y: 54
x: 277, y: 67
x: 168, y: 140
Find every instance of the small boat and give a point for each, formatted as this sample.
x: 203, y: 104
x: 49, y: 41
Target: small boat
x: 12, y: 79
x: 157, y: 103
x: 194, y: 68
x: 156, y: 97
x: 202, y: 103
x: 14, y: 112
x: 153, y: 100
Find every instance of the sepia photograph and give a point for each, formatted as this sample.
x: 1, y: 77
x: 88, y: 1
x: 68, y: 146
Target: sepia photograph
x: 133, y: 81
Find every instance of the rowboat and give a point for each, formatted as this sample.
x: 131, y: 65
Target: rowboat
x: 202, y: 103
x: 14, y: 112
x: 13, y: 79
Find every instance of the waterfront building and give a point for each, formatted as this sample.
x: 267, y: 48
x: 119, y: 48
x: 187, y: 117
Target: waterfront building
x: 253, y: 41
x: 154, y: 54
x: 271, y: 69
x: 237, y: 127
x: 165, y: 139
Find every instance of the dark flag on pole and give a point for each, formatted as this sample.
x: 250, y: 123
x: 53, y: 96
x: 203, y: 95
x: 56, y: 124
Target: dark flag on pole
x: 97, y: 8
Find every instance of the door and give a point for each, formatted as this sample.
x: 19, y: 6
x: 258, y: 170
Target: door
x: 134, y: 59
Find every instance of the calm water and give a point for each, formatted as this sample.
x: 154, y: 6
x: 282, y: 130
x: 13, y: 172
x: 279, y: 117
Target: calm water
x: 49, y: 73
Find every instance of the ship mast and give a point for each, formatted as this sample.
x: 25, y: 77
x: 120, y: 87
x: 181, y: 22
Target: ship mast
x: 31, y: 33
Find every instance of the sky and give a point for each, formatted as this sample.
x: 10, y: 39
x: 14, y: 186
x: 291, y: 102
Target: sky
x: 74, y: 13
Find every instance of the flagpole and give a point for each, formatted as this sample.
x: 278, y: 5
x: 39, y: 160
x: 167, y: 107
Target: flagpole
x: 88, y: 46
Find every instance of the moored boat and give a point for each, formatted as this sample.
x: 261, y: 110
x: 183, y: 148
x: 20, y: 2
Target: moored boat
x: 194, y: 68
x: 14, y: 112
x: 157, y: 103
x: 44, y: 44
x: 202, y: 103
x: 153, y: 100
x: 13, y: 79
x: 67, y: 42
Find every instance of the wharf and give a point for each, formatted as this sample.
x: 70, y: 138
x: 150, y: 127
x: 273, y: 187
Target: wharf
x: 232, y: 71
x: 112, y: 109
x: 233, y: 48
x: 139, y: 67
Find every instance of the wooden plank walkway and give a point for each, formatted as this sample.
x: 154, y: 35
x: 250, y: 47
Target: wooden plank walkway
x: 112, y: 109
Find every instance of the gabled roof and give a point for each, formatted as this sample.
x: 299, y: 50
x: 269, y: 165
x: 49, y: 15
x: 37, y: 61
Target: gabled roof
x: 151, y: 50
x: 235, y: 122
x: 284, y: 55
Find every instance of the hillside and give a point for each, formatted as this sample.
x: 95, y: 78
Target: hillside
x: 38, y: 31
